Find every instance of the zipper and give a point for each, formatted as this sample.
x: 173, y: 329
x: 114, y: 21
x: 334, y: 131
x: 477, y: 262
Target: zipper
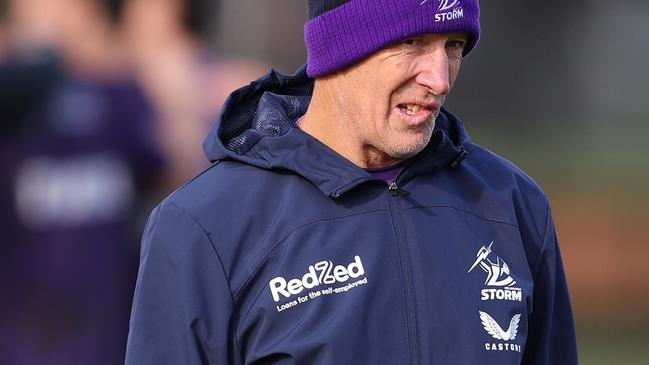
x: 394, y: 202
x: 395, y: 190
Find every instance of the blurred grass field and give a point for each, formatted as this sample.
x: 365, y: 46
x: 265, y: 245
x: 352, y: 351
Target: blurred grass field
x: 620, y: 349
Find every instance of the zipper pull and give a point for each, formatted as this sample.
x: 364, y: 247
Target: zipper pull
x: 395, y: 190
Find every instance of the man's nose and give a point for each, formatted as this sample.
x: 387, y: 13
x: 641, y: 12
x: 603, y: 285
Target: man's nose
x: 434, y: 72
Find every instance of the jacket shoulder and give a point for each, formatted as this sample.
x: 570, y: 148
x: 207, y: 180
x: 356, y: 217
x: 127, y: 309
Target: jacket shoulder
x: 522, y: 193
x: 226, y: 187
x: 495, y: 168
x: 243, y: 210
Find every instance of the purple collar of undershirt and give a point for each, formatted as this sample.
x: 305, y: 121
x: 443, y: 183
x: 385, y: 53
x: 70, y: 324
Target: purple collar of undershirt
x: 388, y: 174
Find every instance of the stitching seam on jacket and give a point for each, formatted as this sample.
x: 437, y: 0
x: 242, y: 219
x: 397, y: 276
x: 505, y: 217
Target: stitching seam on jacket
x: 543, y: 242
x: 209, y: 239
x: 465, y: 211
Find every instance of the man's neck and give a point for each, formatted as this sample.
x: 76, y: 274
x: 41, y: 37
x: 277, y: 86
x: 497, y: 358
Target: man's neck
x: 326, y: 122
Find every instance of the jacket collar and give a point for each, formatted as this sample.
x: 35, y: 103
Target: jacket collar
x: 257, y: 127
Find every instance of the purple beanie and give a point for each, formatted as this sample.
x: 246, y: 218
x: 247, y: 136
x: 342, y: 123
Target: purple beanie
x: 343, y: 32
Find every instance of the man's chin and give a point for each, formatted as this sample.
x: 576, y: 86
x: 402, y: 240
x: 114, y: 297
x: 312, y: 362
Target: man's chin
x: 405, y: 152
x: 411, y: 147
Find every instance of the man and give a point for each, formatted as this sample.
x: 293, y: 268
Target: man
x: 350, y: 220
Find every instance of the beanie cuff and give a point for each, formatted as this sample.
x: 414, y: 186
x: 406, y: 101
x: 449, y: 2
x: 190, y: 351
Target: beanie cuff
x: 349, y: 33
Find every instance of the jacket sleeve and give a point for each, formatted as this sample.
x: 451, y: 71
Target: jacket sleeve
x: 183, y: 304
x: 551, y: 338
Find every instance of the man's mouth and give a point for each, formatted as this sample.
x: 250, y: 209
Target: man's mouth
x: 411, y: 109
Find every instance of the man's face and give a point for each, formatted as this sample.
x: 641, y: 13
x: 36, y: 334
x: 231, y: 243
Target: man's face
x: 391, y: 99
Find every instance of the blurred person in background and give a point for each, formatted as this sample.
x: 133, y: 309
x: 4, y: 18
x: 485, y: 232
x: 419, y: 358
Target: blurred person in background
x: 186, y: 79
x: 3, y: 17
x: 78, y: 157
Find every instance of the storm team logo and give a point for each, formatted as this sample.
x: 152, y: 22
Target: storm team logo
x: 499, y: 282
x: 497, y: 272
x: 447, y: 10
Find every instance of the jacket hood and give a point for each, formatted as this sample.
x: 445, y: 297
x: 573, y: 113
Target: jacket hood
x: 257, y: 127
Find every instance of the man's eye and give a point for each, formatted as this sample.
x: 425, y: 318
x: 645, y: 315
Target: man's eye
x: 455, y: 44
x: 412, y: 41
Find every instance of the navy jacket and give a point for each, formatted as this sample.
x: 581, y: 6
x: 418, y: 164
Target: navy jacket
x: 283, y: 252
